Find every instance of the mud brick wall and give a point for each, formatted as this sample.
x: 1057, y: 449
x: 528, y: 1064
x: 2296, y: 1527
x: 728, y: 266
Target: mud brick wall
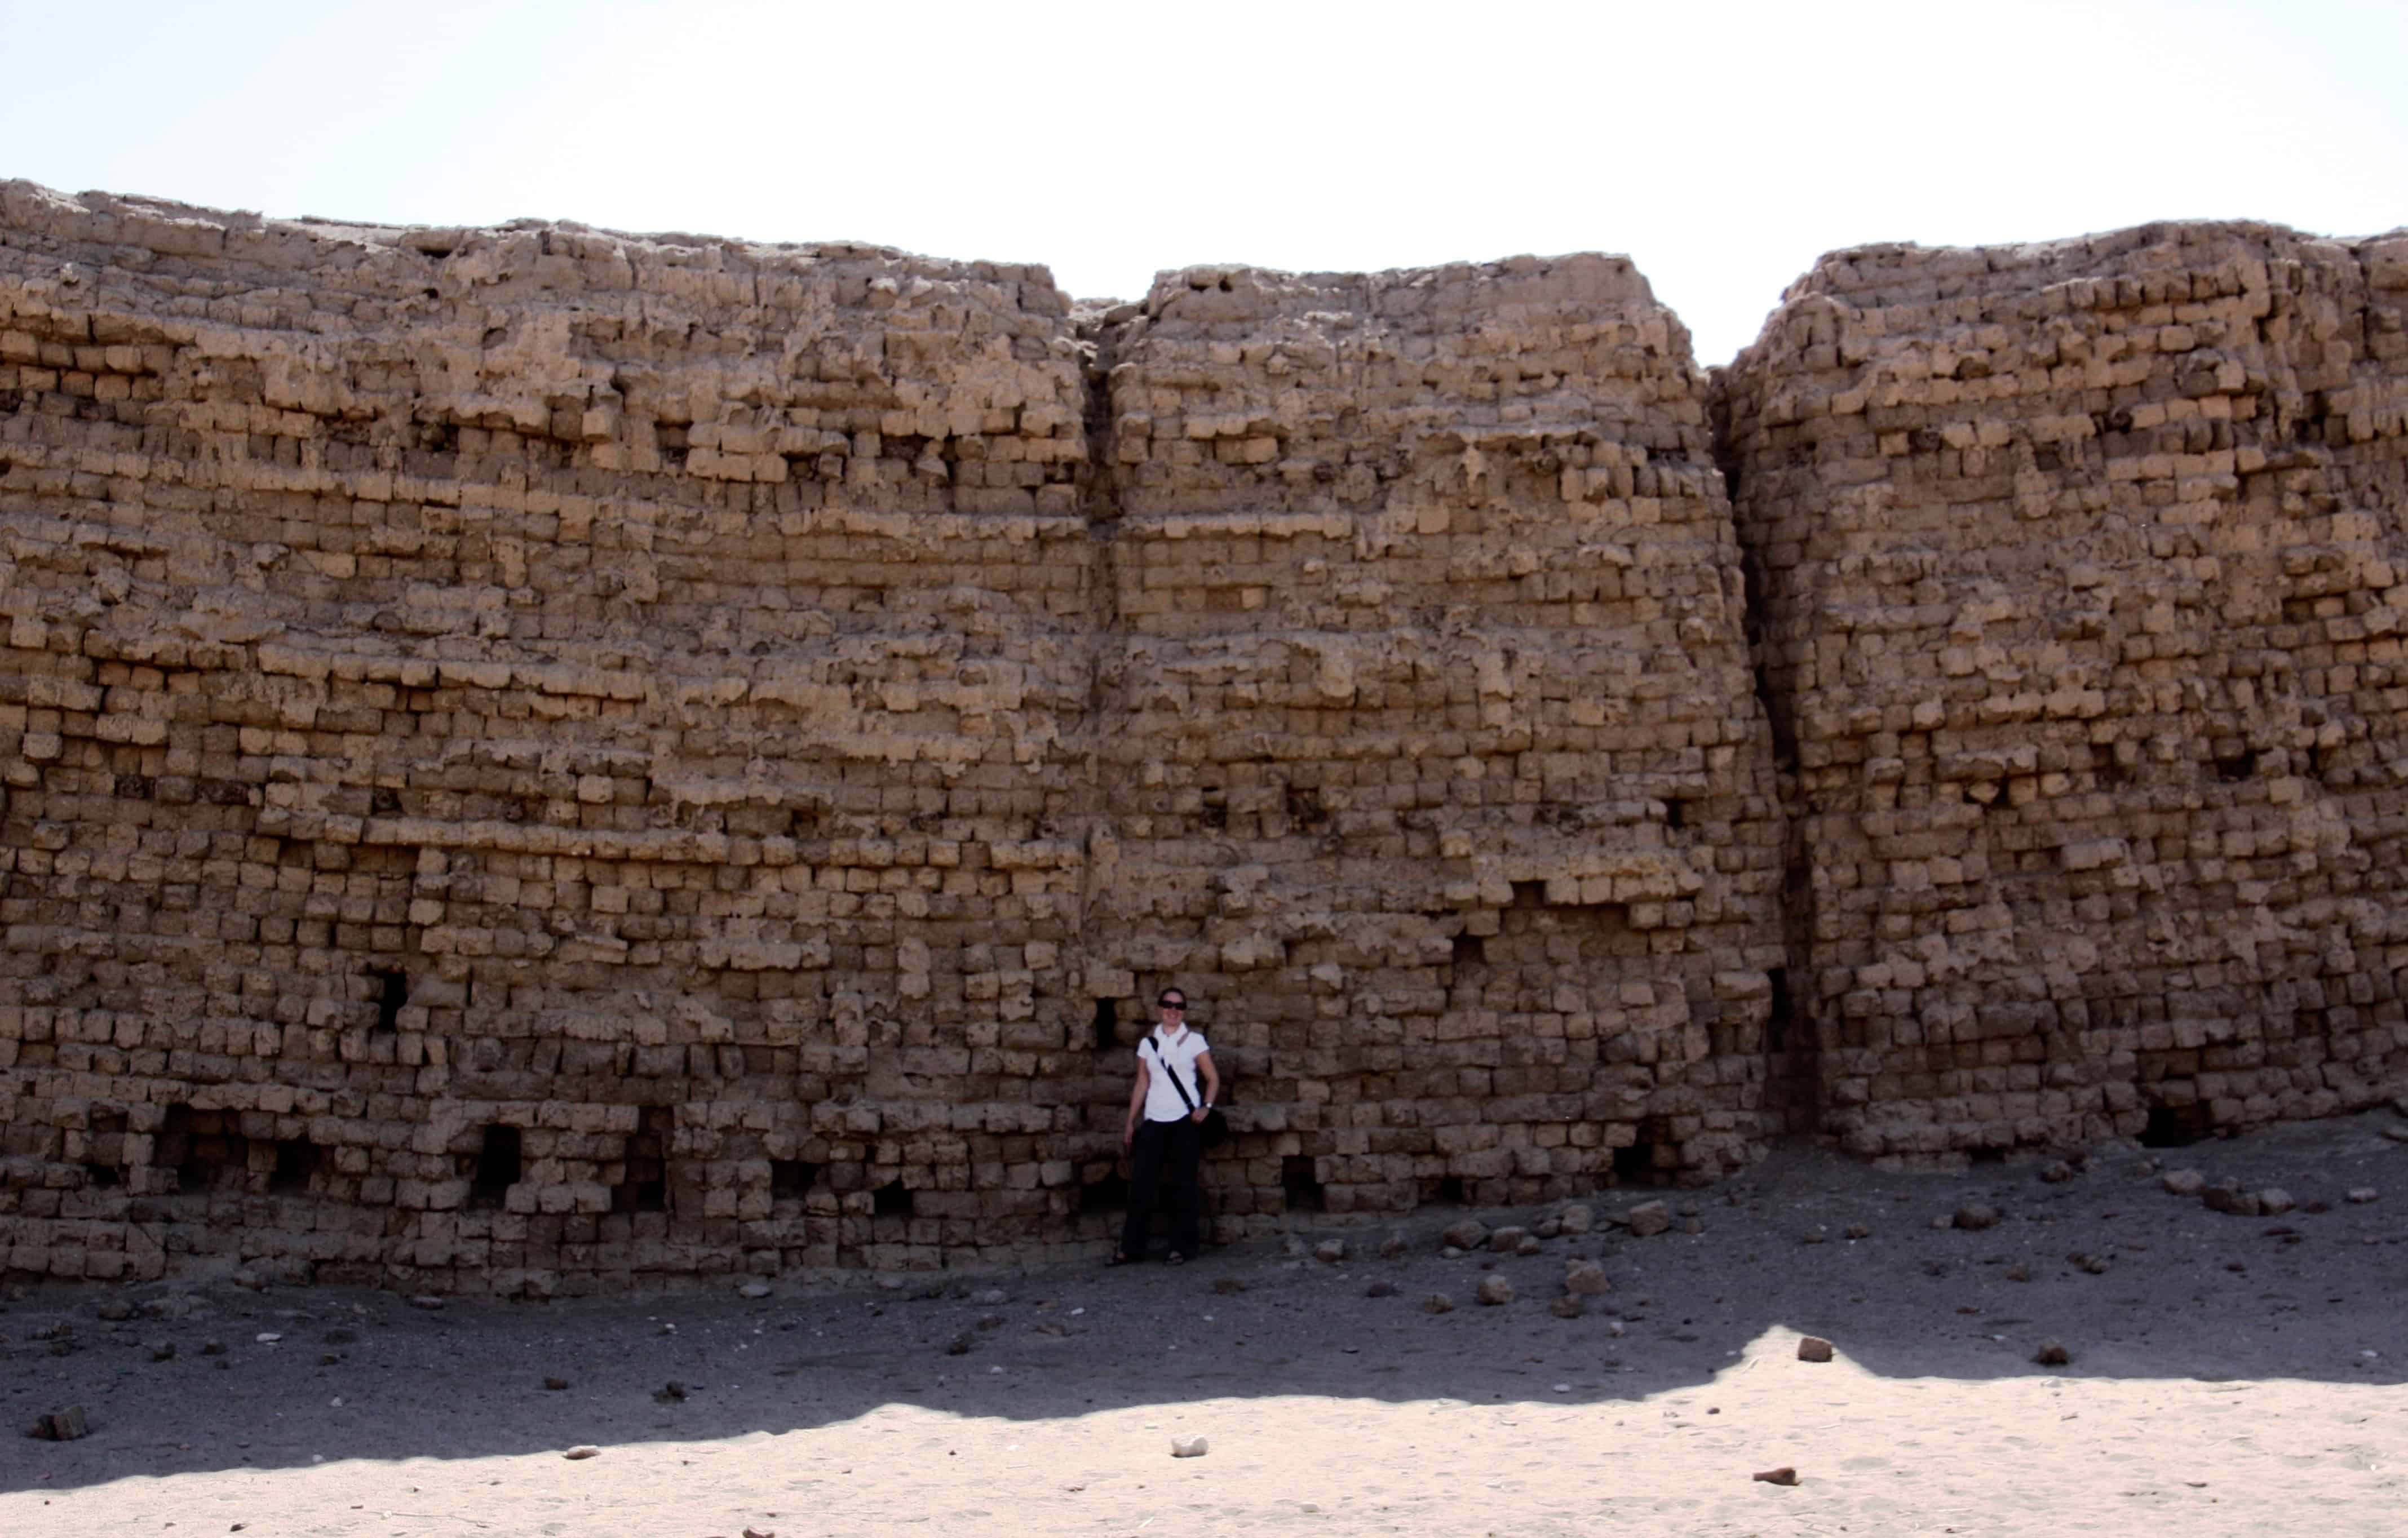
x: 540, y: 759
x: 527, y: 752
x: 1434, y: 772
x: 2081, y: 569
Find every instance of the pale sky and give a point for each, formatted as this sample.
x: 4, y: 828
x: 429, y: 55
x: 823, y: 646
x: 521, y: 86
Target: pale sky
x: 1723, y: 147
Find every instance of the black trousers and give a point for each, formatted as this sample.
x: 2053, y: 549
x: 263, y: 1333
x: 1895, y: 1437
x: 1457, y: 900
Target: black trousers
x: 1164, y: 1154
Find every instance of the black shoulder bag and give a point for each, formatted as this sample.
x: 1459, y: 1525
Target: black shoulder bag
x: 1216, y: 1126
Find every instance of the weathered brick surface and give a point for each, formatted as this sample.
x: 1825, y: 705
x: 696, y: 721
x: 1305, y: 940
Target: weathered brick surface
x: 2081, y: 571
x: 1428, y: 732
x: 537, y: 759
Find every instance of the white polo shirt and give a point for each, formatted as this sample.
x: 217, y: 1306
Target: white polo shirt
x: 1161, y: 1101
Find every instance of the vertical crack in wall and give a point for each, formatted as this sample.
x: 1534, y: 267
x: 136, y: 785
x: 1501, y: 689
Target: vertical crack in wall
x: 1792, y: 1045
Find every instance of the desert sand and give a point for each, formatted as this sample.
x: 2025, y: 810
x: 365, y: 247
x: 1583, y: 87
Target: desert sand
x: 2228, y: 1374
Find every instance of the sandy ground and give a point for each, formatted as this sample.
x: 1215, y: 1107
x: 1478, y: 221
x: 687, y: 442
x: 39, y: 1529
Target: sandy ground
x: 2230, y: 1374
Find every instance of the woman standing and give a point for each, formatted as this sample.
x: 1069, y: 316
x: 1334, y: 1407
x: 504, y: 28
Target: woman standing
x: 1164, y: 1135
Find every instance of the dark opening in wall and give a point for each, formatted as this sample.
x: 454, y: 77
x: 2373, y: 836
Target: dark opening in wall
x: 1107, y: 1024
x: 891, y: 1201
x: 1529, y: 894
x: 1987, y: 1155
x: 1302, y: 1186
x: 1214, y: 814
x: 2232, y: 768
x: 645, y: 1186
x: 1470, y: 950
x: 392, y: 992
x: 104, y: 1150
x: 1776, y: 1024
x: 297, y: 1161
x: 2106, y: 768
x: 203, y: 1148
x: 1676, y: 814
x: 790, y: 1178
x: 1446, y: 1191
x: 1634, y: 1165
x: 1106, y: 1193
x: 2177, y: 1126
x: 497, y: 1167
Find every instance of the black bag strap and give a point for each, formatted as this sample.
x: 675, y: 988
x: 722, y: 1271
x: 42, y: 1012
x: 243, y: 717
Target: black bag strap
x: 1184, y: 1098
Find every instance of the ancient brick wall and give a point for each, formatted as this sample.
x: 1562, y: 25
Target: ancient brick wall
x: 2081, y: 569
x: 1434, y: 771
x: 537, y: 759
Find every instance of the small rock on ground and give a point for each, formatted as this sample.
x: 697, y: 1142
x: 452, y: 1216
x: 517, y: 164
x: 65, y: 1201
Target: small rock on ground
x: 1782, y: 1476
x: 1567, y: 1307
x: 1495, y: 1289
x: 1381, y: 1290
x: 2274, y: 1199
x: 66, y: 1425
x: 1329, y: 1252
x: 581, y: 1451
x: 1977, y: 1215
x: 1814, y: 1349
x: 1470, y: 1233
x: 2057, y: 1172
x: 2183, y: 1182
x: 1576, y: 1220
x: 1438, y: 1302
x: 2052, y: 1354
x: 1648, y: 1217
x: 1189, y: 1447
x: 2363, y: 1195
x: 1505, y: 1241
x: 1585, y: 1276
x: 1393, y: 1245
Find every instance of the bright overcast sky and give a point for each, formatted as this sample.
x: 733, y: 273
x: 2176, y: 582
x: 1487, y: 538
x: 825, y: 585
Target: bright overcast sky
x: 1723, y: 146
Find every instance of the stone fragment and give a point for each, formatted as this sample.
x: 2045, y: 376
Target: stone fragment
x: 2362, y: 1193
x: 555, y: 1385
x: 2275, y: 1201
x: 958, y: 1345
x: 1577, y: 1220
x: 1330, y: 1253
x: 427, y: 1301
x: 66, y: 1425
x: 1189, y: 1447
x: 2017, y: 1272
x: 1814, y: 1349
x: 1567, y: 1307
x: 754, y: 1289
x: 1647, y: 1219
x: 581, y: 1451
x: 1381, y: 1290
x: 163, y: 1350
x: 1227, y: 1284
x: 1585, y: 1277
x: 991, y: 1297
x: 115, y: 1310
x: 1782, y: 1476
x: 1467, y: 1233
x: 1495, y: 1289
x: 670, y: 1392
x: 2052, y: 1353
x: 1547, y: 1228
x: 1394, y: 1245
x: 1858, y: 1230
x: 1529, y: 1244
x: 1505, y: 1241
x: 2183, y: 1182
x: 1438, y: 1302
x: 2057, y: 1172
x: 1977, y: 1215
x: 2231, y: 1199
